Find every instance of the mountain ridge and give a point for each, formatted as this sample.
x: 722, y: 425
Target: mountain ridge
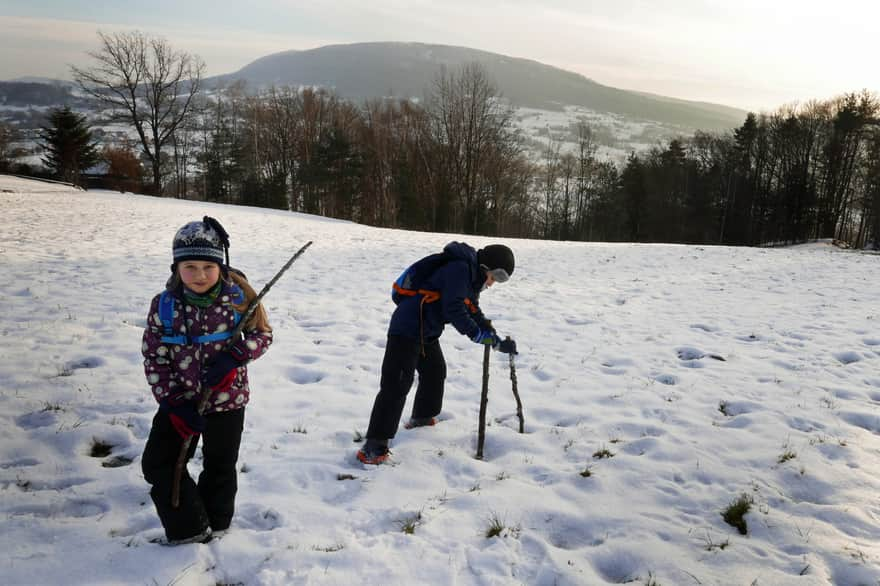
x: 360, y: 71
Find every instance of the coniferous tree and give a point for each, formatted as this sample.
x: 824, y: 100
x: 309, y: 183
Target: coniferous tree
x: 6, y: 137
x: 70, y: 148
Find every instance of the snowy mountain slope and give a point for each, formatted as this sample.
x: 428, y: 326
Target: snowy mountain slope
x: 708, y: 373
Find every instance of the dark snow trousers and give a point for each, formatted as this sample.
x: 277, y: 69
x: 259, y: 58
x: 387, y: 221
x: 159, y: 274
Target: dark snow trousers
x: 211, y: 502
x: 403, y: 358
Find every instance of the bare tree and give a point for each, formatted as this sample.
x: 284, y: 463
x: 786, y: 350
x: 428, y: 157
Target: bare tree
x: 468, y: 121
x: 147, y: 84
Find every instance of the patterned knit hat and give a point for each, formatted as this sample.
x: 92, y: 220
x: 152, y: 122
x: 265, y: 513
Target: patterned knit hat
x: 205, y: 240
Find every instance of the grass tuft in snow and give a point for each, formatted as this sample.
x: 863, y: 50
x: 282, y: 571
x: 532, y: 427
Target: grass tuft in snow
x: 787, y: 453
x: 409, y: 524
x: 734, y: 514
x: 710, y: 545
x: 100, y: 449
x: 498, y: 528
x: 603, y: 452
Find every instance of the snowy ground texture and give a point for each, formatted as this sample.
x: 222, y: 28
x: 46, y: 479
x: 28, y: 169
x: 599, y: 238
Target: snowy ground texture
x: 703, y: 373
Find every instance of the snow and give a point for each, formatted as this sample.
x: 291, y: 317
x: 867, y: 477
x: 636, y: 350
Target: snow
x: 614, y: 136
x: 708, y: 373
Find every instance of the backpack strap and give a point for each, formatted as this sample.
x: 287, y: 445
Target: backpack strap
x: 166, y: 316
x: 428, y: 296
x: 406, y: 283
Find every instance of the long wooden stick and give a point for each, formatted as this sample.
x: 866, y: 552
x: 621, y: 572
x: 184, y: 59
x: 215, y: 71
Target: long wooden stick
x: 519, y: 410
x: 484, y: 400
x: 205, y: 397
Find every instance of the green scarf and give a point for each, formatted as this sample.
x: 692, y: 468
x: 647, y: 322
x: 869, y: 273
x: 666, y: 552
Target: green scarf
x: 203, y: 299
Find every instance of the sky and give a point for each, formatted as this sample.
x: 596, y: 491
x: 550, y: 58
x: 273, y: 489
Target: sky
x: 751, y: 54
x: 659, y: 384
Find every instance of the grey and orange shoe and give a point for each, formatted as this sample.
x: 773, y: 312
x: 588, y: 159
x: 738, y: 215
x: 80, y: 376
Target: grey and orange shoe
x: 419, y: 422
x: 374, y: 452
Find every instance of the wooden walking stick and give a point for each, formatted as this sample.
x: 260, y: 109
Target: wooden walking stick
x: 484, y: 399
x: 519, y: 411
x: 205, y: 397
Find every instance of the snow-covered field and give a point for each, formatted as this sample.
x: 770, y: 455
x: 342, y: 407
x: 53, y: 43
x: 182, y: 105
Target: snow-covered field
x: 626, y: 135
x: 703, y: 373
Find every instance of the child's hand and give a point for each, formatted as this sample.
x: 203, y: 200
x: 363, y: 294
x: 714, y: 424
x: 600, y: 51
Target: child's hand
x: 185, y: 418
x: 486, y: 337
x: 222, y: 368
x: 507, y: 346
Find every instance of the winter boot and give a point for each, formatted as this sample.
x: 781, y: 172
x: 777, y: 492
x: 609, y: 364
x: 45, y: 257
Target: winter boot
x: 203, y: 537
x: 419, y: 422
x: 375, y: 451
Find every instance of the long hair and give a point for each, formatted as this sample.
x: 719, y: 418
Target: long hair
x: 259, y: 320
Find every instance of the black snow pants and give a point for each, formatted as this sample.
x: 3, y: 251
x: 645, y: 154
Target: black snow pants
x: 403, y: 358
x: 211, y: 502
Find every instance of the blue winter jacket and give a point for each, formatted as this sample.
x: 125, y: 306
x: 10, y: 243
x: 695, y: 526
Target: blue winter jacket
x: 459, y: 282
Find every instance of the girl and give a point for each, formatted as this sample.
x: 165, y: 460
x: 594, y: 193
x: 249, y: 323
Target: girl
x: 186, y: 353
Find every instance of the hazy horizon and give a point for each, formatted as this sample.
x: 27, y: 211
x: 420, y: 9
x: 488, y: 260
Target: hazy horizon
x: 754, y: 55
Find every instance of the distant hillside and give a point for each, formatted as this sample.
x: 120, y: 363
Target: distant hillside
x: 37, y: 93
x: 370, y: 70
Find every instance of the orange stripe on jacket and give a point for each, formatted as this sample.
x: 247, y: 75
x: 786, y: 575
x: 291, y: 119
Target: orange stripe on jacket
x: 428, y: 295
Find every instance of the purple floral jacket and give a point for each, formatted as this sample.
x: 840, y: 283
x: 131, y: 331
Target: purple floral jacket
x: 174, y: 369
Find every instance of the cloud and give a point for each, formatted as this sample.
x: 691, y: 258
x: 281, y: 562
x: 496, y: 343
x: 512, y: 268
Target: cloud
x: 47, y: 47
x: 751, y: 53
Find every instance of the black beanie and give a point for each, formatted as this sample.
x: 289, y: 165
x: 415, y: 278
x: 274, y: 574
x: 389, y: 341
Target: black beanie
x: 496, y: 256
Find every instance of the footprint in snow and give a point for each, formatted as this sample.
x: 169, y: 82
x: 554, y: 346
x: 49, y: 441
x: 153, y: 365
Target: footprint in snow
x: 304, y: 376
x: 68, y: 508
x: 867, y: 421
x: 620, y: 566
x: 258, y: 518
x: 734, y: 408
x: 541, y: 374
x: 37, y: 419
x: 56, y: 484
x: 848, y: 357
x: 19, y: 463
x: 666, y: 379
x: 573, y: 534
x: 87, y: 362
x: 688, y: 353
x: 117, y: 462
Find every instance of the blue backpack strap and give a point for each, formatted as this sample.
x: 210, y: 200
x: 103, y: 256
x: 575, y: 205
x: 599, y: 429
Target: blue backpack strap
x: 237, y: 298
x: 166, y: 316
x: 218, y: 337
